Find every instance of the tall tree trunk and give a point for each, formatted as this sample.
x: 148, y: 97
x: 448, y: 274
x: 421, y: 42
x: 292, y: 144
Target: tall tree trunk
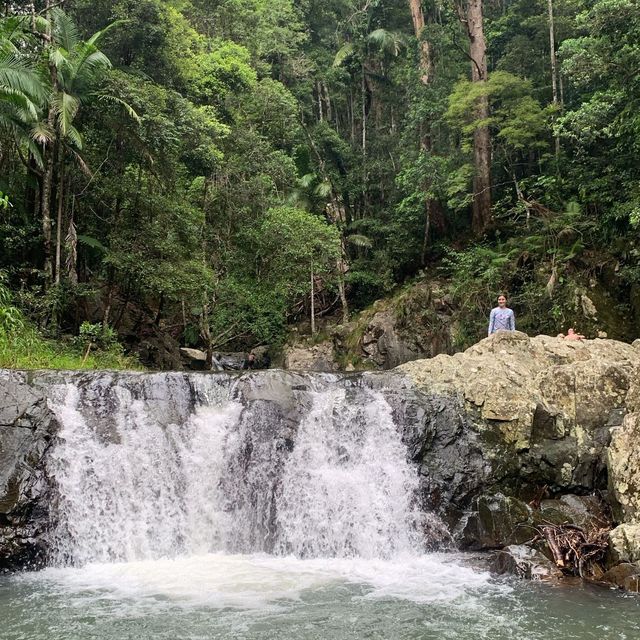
x: 60, y: 194
x: 431, y: 207
x: 319, y: 92
x: 363, y: 91
x: 50, y: 156
x: 313, y: 304
x: 554, y: 60
x: 554, y: 66
x: 72, y: 248
x: 481, y: 137
x: 426, y: 65
x: 47, y: 187
x: 342, y: 266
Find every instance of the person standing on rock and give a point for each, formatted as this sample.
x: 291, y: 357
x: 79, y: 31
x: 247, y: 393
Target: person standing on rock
x: 502, y: 317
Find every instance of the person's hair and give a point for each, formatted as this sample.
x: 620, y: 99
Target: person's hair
x: 503, y: 295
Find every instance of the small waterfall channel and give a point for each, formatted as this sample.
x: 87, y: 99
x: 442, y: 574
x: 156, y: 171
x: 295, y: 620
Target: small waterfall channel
x: 169, y: 465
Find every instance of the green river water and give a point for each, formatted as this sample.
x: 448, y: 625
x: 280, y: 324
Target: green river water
x: 251, y: 597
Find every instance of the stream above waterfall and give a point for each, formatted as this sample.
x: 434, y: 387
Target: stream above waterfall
x: 263, y: 506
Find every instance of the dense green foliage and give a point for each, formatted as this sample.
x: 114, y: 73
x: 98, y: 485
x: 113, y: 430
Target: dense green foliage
x: 191, y: 166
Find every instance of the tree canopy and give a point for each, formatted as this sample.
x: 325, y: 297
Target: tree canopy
x: 224, y: 167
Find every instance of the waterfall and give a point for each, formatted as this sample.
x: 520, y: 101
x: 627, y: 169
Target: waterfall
x: 151, y: 467
x: 347, y: 488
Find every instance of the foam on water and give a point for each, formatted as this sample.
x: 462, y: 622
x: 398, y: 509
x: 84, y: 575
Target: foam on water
x: 261, y: 581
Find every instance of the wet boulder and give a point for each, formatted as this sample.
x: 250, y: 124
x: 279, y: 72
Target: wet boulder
x: 525, y: 562
x: 497, y: 521
x: 625, y: 576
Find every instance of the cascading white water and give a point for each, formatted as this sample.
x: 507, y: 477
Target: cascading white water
x: 273, y: 505
x: 151, y: 491
x: 347, y: 488
x: 222, y: 479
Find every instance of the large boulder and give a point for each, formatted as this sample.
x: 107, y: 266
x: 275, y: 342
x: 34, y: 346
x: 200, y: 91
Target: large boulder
x: 624, y: 544
x: 317, y: 357
x: 542, y: 407
x: 416, y: 323
x: 547, y: 417
x: 624, y: 468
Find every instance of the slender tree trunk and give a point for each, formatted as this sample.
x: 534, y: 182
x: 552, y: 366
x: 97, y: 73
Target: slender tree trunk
x: 554, y: 66
x: 426, y: 143
x: 427, y: 229
x: 364, y: 141
x: 327, y: 98
x: 47, y: 187
x: 481, y: 137
x: 554, y: 61
x: 50, y: 155
x: 319, y: 92
x: 60, y: 195
x: 313, y: 304
x: 72, y: 246
x: 426, y: 65
x: 342, y: 266
x: 363, y: 96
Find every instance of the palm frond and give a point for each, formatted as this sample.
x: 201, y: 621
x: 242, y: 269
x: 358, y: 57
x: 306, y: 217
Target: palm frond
x: 131, y: 112
x: 345, y: 51
x: 59, y: 58
x: 307, y: 180
x: 94, y: 243
x: 74, y: 137
x: 65, y: 31
x: 36, y: 154
x: 359, y: 240
x: 19, y: 77
x: 66, y: 107
x: 89, y: 61
x: 84, y: 167
x: 323, y: 189
x: 388, y: 41
x: 100, y: 34
x: 41, y: 133
x: 25, y: 109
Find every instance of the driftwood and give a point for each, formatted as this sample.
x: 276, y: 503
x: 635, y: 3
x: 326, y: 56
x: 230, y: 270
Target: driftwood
x: 575, y: 551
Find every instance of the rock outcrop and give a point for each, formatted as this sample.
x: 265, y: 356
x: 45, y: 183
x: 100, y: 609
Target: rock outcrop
x: 542, y: 407
x: 550, y: 417
x: 317, y: 357
x: 514, y: 435
x: 27, y: 427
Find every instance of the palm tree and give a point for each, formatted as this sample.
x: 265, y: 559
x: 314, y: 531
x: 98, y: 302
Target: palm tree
x: 39, y: 110
x: 75, y: 68
x: 22, y: 90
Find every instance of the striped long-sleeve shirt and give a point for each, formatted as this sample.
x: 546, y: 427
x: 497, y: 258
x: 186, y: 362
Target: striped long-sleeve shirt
x: 501, y: 319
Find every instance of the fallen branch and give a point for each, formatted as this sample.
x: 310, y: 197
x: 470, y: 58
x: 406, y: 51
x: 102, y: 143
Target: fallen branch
x: 573, y: 548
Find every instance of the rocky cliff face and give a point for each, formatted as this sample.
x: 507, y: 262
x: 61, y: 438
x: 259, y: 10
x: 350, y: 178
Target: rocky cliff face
x: 550, y: 418
x: 27, y: 428
x: 543, y: 408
